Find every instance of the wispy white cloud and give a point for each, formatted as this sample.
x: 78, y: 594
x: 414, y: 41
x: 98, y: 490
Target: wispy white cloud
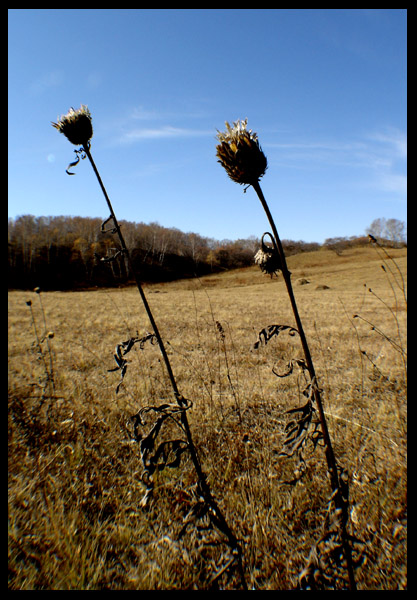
x: 140, y: 113
x: 390, y: 145
x: 376, y: 160
x: 375, y: 150
x: 393, y: 183
x: 393, y: 140
x: 45, y: 82
x: 162, y: 132
x: 308, y: 154
x: 142, y: 124
x: 191, y: 112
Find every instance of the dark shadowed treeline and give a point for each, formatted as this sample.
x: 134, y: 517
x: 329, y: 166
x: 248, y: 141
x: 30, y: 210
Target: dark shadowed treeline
x: 65, y: 253
x: 73, y: 252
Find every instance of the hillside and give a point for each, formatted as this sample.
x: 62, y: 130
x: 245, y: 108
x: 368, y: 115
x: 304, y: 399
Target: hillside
x: 76, y: 468
x: 352, y: 269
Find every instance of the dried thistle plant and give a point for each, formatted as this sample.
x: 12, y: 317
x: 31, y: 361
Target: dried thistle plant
x: 76, y: 125
x: 268, y: 258
x: 240, y: 155
x: 327, y: 563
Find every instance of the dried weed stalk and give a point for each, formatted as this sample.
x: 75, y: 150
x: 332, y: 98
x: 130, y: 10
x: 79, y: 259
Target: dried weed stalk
x: 240, y: 154
x: 42, y: 347
x: 395, y: 280
x: 76, y: 125
x: 327, y: 562
x: 397, y: 284
x: 222, y: 336
x: 388, y: 261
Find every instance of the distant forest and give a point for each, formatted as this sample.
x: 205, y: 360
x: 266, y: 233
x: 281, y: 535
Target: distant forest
x: 63, y: 253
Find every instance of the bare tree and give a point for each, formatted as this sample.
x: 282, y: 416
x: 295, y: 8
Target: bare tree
x: 376, y: 228
x: 388, y: 229
x: 395, y: 230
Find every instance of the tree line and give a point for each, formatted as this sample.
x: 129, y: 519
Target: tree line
x: 79, y: 252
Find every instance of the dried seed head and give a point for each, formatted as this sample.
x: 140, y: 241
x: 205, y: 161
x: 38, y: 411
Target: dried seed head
x: 268, y: 259
x: 240, y: 154
x: 76, y: 126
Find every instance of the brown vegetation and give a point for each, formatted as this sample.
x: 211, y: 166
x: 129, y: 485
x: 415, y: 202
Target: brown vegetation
x: 61, y: 253
x: 75, y: 520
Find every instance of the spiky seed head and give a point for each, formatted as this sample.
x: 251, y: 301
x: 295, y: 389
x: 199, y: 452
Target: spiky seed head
x: 76, y: 125
x: 240, y: 154
x: 268, y: 259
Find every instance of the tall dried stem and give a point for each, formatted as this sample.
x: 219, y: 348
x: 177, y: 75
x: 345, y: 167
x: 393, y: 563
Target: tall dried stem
x: 240, y: 154
x: 77, y: 127
x: 330, y: 456
x: 205, y: 489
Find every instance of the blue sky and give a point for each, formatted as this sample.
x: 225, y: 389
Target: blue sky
x: 325, y: 89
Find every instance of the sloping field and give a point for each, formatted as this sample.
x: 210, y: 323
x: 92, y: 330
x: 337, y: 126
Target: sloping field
x: 75, y: 519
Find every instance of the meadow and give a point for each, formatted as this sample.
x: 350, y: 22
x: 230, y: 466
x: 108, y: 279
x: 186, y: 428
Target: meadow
x: 75, y: 489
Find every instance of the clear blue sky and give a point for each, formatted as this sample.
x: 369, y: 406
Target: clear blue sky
x: 325, y: 89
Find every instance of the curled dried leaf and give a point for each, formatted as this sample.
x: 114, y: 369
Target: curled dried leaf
x: 299, y: 362
x: 267, y: 333
x: 158, y: 455
x: 123, y: 348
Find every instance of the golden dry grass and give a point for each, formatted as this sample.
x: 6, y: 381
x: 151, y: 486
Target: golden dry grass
x: 75, y: 520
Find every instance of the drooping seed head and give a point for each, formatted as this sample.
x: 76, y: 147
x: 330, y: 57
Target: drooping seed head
x: 268, y: 259
x: 240, y: 154
x: 76, y: 125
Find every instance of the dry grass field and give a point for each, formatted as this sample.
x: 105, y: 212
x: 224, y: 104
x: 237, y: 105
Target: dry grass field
x: 75, y: 490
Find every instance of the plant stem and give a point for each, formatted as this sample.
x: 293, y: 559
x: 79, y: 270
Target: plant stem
x: 138, y: 283
x: 330, y: 456
x: 208, y: 497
